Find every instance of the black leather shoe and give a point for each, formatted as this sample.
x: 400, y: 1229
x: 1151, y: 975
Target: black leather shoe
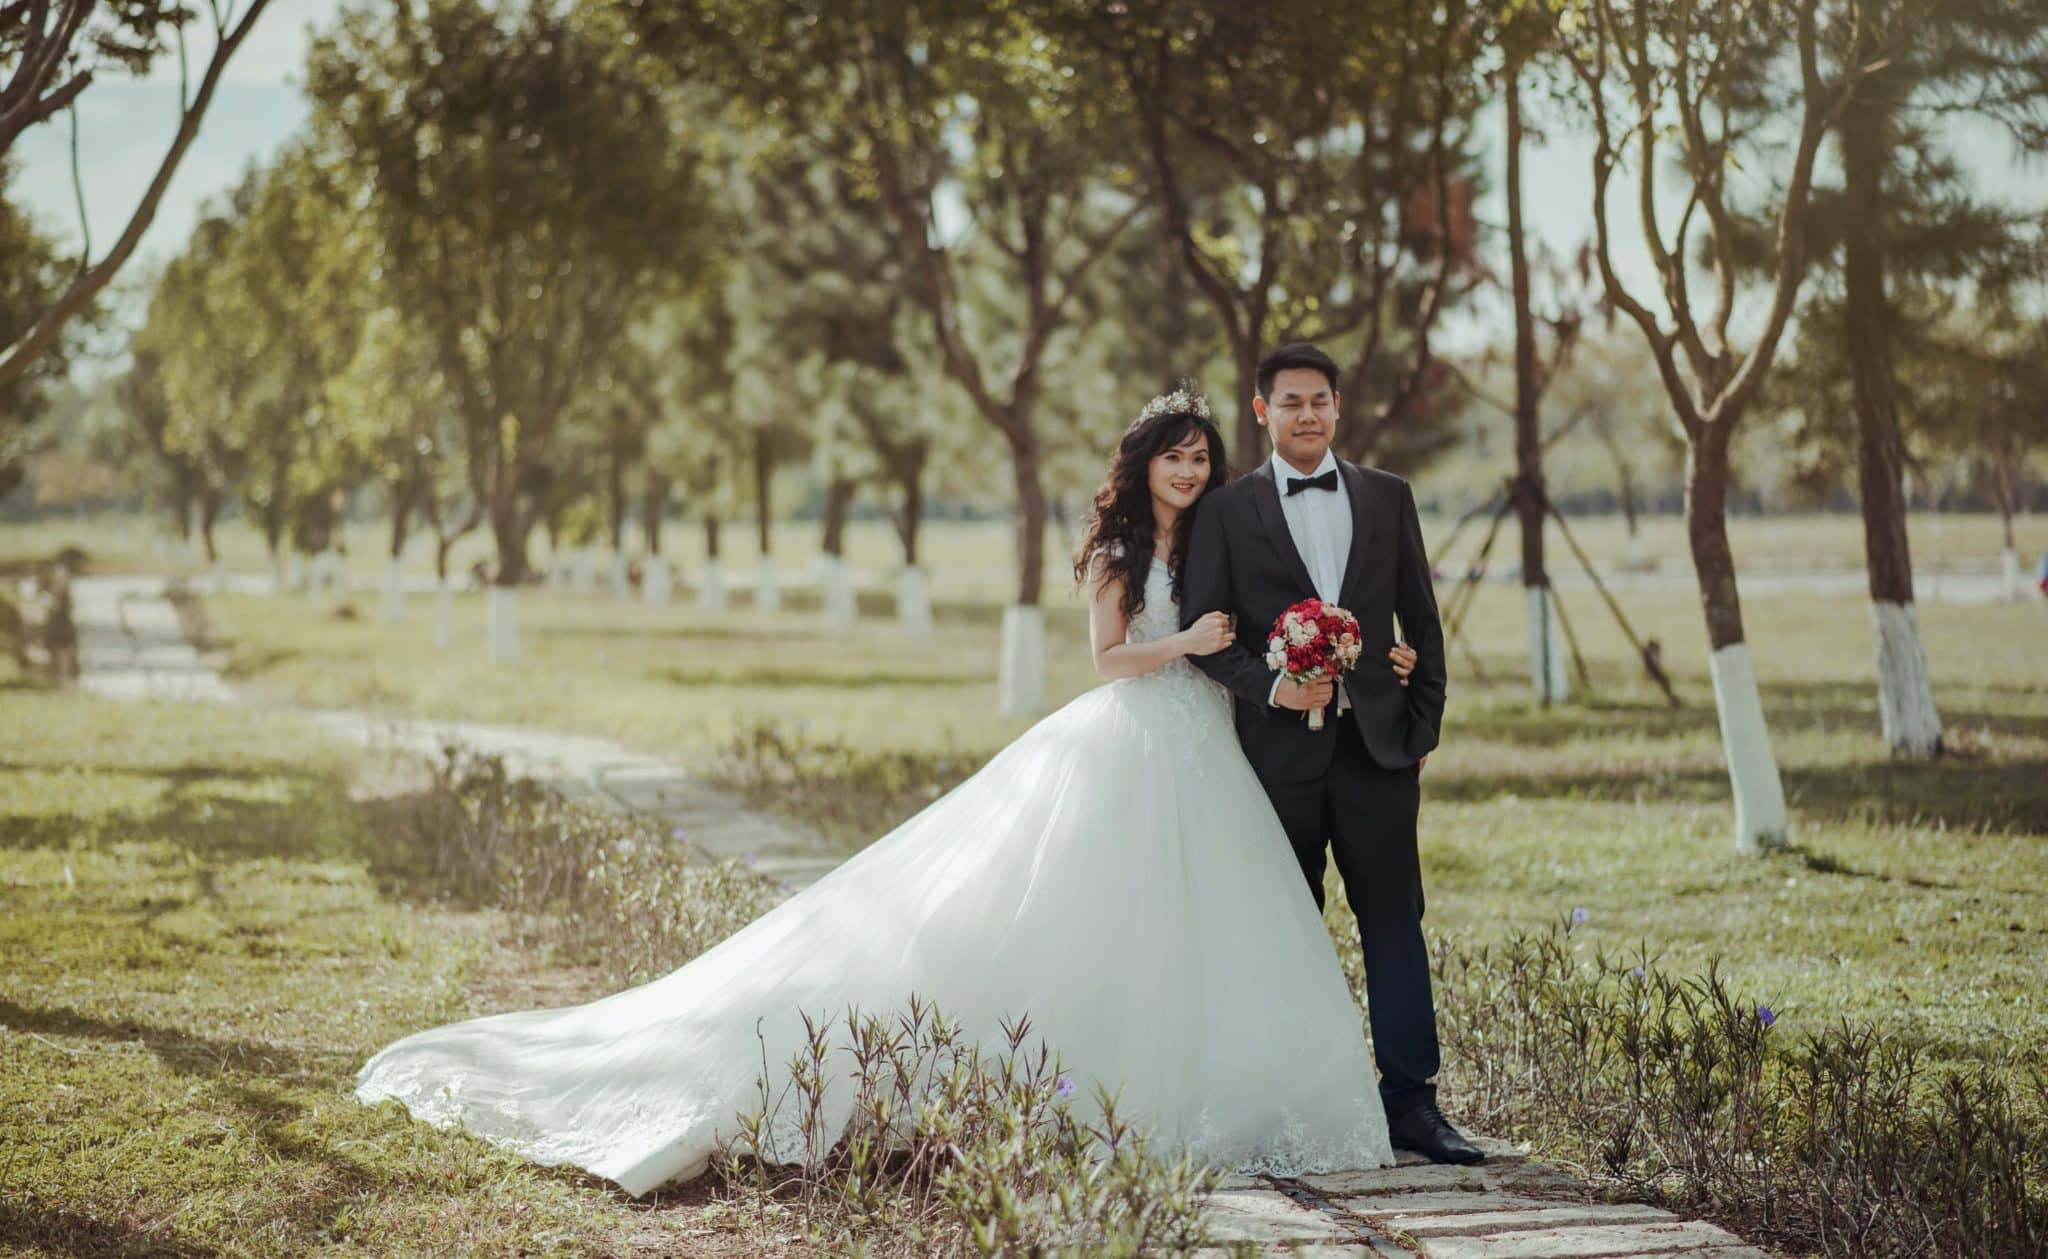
x: 1427, y: 1132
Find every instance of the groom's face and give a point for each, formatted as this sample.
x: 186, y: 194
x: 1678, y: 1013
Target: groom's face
x: 1300, y: 410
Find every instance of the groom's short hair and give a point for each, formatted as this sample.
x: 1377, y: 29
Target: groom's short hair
x: 1294, y: 354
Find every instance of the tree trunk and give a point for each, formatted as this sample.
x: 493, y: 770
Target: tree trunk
x: 838, y: 504
x: 764, y: 477
x: 509, y: 532
x: 1030, y: 519
x: 911, y: 517
x: 1249, y: 446
x: 1760, y: 820
x: 1912, y: 725
x: 1021, y: 675
x: 1547, y: 673
x: 653, y: 506
x: 209, y: 512
x: 615, y: 491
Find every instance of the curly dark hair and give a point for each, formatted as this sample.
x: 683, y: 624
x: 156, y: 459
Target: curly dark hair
x: 1120, y: 521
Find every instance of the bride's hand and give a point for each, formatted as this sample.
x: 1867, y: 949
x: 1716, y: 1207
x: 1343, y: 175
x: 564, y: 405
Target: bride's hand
x: 1403, y: 657
x: 1209, y: 635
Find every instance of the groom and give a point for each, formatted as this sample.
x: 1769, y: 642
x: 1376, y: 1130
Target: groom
x: 1305, y: 524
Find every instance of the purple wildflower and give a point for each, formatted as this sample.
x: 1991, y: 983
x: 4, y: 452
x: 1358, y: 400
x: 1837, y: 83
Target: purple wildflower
x: 752, y: 859
x: 1066, y: 1087
x: 1765, y: 1016
x: 1637, y: 971
x: 1580, y: 915
x: 679, y: 833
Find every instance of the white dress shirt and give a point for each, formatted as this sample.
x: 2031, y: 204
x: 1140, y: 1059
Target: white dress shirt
x: 1319, y: 521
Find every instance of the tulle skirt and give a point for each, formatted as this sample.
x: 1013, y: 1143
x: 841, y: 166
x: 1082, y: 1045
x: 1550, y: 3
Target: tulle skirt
x: 1116, y: 874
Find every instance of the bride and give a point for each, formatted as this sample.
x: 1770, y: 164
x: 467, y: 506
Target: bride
x: 1116, y: 874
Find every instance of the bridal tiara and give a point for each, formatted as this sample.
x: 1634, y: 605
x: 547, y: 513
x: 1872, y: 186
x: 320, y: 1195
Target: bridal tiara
x: 1187, y: 399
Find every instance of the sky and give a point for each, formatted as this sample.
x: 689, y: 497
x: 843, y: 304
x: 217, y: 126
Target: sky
x: 125, y: 126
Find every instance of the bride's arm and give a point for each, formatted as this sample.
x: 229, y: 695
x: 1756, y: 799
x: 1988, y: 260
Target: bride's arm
x: 1109, y: 631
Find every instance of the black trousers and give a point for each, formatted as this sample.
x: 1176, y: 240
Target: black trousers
x: 1364, y: 815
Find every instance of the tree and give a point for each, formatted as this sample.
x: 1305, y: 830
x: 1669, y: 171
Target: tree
x: 528, y: 200
x: 1522, y: 38
x: 966, y: 105
x: 143, y: 437
x: 1903, y: 217
x: 51, y: 53
x: 404, y: 419
x: 189, y: 333
x: 31, y: 276
x: 1323, y: 206
x: 1702, y: 83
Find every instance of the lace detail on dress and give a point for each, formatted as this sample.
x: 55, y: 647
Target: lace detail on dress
x: 1203, y: 703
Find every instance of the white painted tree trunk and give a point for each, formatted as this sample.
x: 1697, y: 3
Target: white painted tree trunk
x: 657, y: 583
x: 1548, y: 674
x: 2009, y: 566
x: 218, y: 576
x: 621, y: 582
x: 711, y: 596
x: 279, y: 583
x: 558, y: 570
x: 1760, y: 820
x: 913, y: 602
x: 501, y: 624
x: 767, y: 592
x: 1638, y: 555
x: 295, y: 571
x: 842, y: 609
x: 316, y: 576
x: 1905, y: 694
x: 1020, y: 682
x: 394, y: 590
x: 444, y: 614
x: 584, y: 566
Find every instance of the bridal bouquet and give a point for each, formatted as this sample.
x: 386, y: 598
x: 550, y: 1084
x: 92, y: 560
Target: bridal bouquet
x: 1313, y: 640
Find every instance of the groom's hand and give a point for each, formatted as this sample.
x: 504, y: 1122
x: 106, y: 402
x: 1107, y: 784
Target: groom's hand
x: 1403, y: 657
x: 1304, y: 696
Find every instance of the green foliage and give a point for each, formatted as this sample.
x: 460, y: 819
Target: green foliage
x: 31, y: 277
x: 853, y: 792
x: 613, y: 890
x: 524, y: 198
x: 953, y: 1149
x: 1837, y: 1139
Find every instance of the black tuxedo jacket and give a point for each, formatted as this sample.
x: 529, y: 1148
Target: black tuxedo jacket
x: 1241, y: 559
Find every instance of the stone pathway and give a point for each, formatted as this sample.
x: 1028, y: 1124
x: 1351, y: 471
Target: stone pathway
x: 1511, y: 1207
x: 132, y: 646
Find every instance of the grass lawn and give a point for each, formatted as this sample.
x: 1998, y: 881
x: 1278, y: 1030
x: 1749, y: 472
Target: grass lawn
x: 1914, y: 895
x: 204, y: 930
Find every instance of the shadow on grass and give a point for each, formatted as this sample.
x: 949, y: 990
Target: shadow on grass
x: 786, y: 679
x: 181, y: 1051
x: 312, y: 818
x: 40, y: 1228
x: 1958, y: 793
x: 1505, y: 715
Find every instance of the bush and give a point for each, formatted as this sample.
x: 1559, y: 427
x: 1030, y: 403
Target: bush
x: 852, y: 793
x: 947, y: 1152
x: 1679, y: 1091
x: 611, y: 888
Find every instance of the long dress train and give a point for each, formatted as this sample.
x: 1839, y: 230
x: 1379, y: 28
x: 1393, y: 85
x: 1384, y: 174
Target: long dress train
x: 1116, y: 873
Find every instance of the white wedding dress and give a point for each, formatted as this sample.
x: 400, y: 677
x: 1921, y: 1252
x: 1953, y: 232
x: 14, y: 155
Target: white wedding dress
x: 1116, y: 873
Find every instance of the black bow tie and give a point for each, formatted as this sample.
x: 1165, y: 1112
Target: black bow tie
x: 1296, y: 484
